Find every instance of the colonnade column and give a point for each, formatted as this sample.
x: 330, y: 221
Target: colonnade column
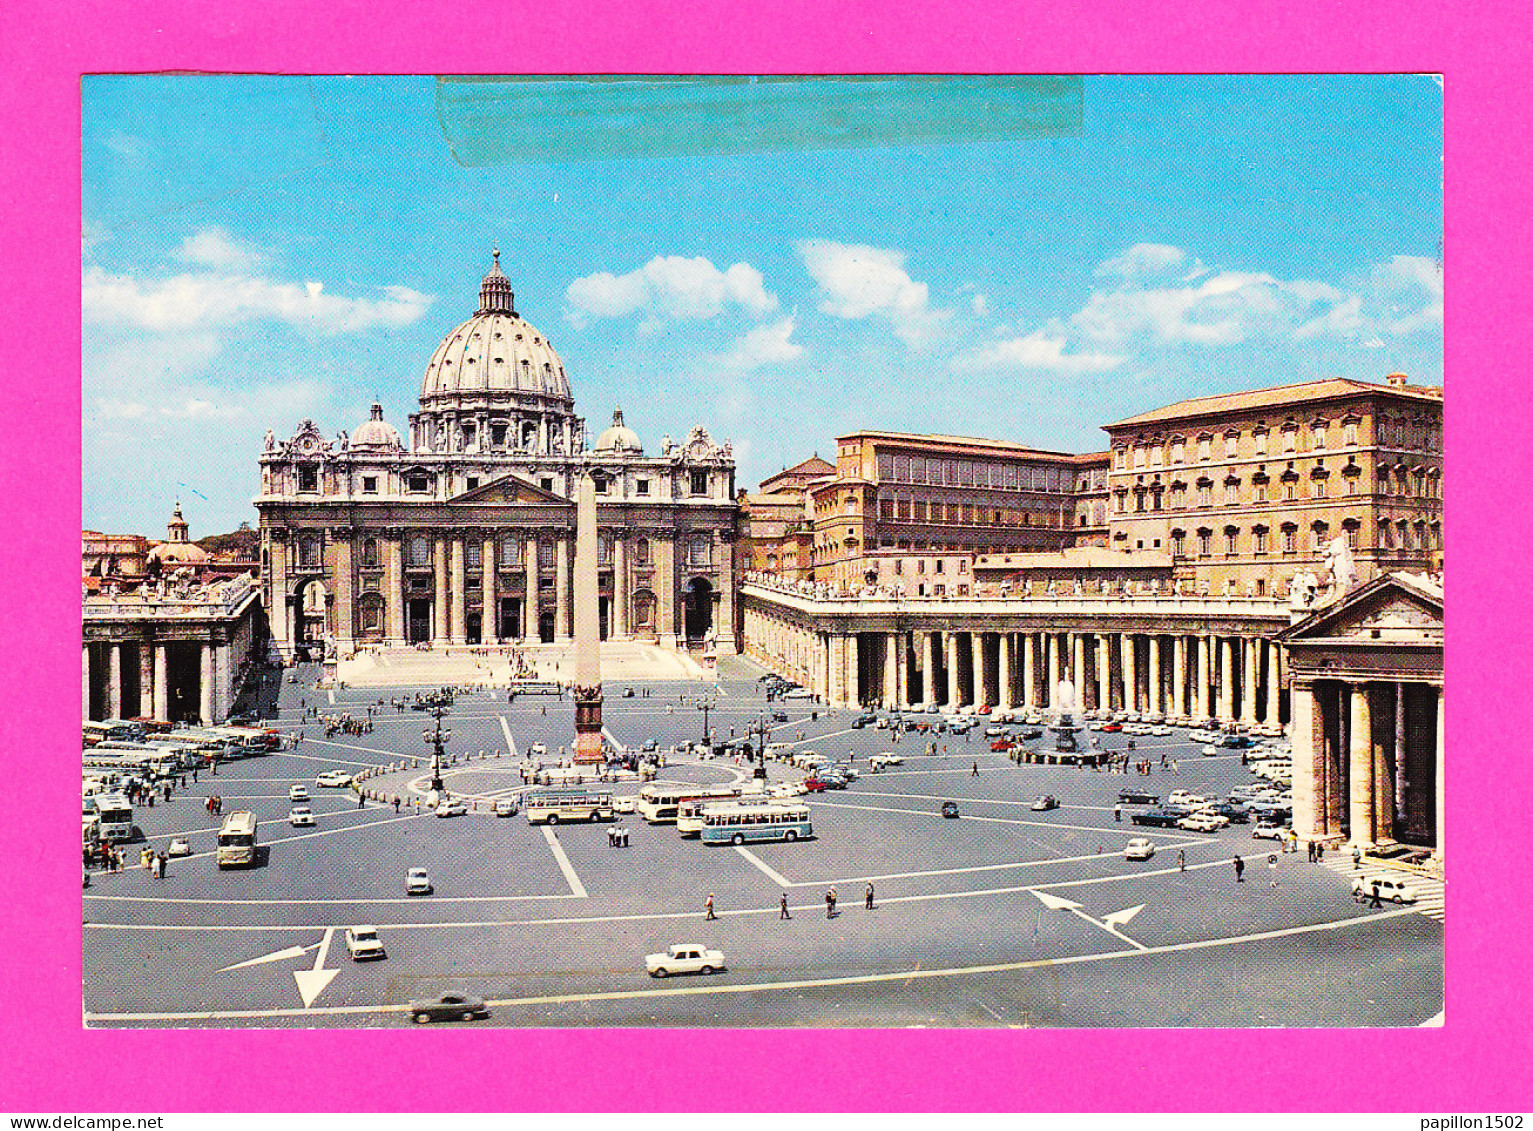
x: 563, y: 605
x: 220, y: 682
x: 458, y: 604
x: 489, y: 594
x: 1003, y: 671
x: 1131, y: 673
x: 620, y: 588
x: 1248, y: 657
x: 1179, y: 675
x: 1226, y: 680
x: 206, y: 705
x: 1309, y: 755
x: 146, y: 679
x: 950, y: 655
x: 1438, y: 759
x: 1104, y: 671
x: 439, y: 606
x: 1078, y: 668
x: 1205, y: 677
x: 1360, y: 752
x: 161, y: 682
x: 530, y: 596
x: 1274, y: 686
x: 114, y: 681
x: 1153, y: 698
x: 1051, y: 667
x: 929, y: 656
x: 1029, y: 672
x: 277, y: 608
x: 891, y: 692
x: 1125, y: 679
x: 394, y: 591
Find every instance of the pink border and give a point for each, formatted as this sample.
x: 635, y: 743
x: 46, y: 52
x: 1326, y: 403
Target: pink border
x: 1478, y: 1063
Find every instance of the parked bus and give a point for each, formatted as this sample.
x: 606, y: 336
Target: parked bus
x: 237, y: 840
x: 251, y: 740
x: 109, y: 729
x: 734, y: 823
x: 201, y: 746
x: 689, y: 811
x: 114, y: 814
x: 226, y: 745
x: 659, y: 802
x: 146, y: 758
x: 550, y: 806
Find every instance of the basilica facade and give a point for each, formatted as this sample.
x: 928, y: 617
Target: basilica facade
x: 462, y: 530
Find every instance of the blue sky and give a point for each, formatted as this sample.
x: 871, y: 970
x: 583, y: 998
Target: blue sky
x: 257, y: 250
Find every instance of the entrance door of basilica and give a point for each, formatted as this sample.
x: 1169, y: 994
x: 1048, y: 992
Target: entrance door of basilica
x: 419, y: 629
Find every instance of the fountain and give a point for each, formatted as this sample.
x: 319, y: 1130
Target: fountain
x: 1064, y: 726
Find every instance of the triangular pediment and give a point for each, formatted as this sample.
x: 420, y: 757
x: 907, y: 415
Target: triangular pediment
x: 512, y: 490
x: 1392, y: 607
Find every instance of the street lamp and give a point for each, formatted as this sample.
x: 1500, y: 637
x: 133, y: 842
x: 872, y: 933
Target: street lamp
x: 705, y: 706
x: 437, y: 739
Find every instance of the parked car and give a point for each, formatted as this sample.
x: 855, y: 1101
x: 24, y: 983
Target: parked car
x: 180, y: 846
x: 1389, y: 888
x: 363, y: 942
x: 650, y: 746
x: 1045, y: 802
x: 627, y: 693
x: 1161, y: 816
x: 949, y: 809
x: 1002, y: 746
x: 448, y: 1007
x: 625, y: 804
x: 298, y: 793
x: 301, y: 817
x: 333, y: 779
x: 1186, y: 797
x: 684, y: 958
x: 882, y: 761
x: 1233, y: 812
x: 1138, y: 849
x: 1201, y: 822
x: 417, y: 882
x: 1030, y: 733
x: 1113, y: 728
x: 506, y: 807
x: 451, y: 809
x: 1137, y: 797
x: 814, y: 785
x: 1270, y: 830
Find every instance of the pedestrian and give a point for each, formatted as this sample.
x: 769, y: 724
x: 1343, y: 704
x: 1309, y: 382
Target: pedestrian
x: 867, y: 898
x: 1357, y: 858
x: 1117, y: 813
x: 782, y: 905
x: 1375, y: 902
x: 708, y: 907
x: 1320, y: 852
x: 976, y: 770
x: 1240, y: 870
x: 1272, y: 868
x: 359, y: 800
x: 1310, y: 846
x: 830, y: 904
x: 194, y: 775
x: 396, y: 804
x: 1181, y: 860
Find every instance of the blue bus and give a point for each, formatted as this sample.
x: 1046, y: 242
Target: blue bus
x: 734, y: 823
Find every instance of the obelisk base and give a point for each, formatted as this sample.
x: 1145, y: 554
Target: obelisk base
x: 588, y: 725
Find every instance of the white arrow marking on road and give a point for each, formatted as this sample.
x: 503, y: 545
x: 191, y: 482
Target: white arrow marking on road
x: 1055, y: 903
x: 505, y: 729
x: 311, y: 983
x: 290, y: 952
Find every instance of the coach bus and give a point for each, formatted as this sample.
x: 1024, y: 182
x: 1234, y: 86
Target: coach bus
x: 237, y: 840
x: 659, y: 802
x: 550, y: 806
x: 114, y: 815
x: 742, y: 824
x: 689, y: 811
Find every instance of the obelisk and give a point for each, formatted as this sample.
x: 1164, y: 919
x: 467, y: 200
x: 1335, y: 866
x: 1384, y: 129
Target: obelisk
x: 587, y: 628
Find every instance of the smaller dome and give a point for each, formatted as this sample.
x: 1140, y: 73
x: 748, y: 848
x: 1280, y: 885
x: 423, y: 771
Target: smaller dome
x: 377, y: 434
x: 177, y: 546
x: 619, y: 438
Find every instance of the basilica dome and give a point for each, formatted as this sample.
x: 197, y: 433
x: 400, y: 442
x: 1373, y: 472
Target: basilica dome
x: 619, y: 437
x: 495, y: 357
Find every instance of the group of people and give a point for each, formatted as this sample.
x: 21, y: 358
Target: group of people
x: 782, y: 904
x: 617, y: 836
x: 214, y: 804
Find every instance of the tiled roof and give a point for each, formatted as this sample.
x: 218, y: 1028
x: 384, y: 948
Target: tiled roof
x: 919, y: 438
x: 1282, y: 395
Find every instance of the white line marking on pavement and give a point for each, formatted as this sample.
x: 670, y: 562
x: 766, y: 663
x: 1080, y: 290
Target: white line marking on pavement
x: 761, y: 864
x: 758, y: 987
x: 577, y: 889
x: 616, y: 745
x: 332, y: 697
x: 505, y: 729
x: 332, y: 759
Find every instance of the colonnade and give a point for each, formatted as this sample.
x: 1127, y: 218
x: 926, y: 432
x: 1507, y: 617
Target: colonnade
x: 132, y: 678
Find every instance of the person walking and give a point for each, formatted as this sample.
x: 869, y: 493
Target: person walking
x: 1375, y: 901
x: 1320, y: 852
x: 708, y: 908
x: 1240, y: 870
x: 782, y: 907
x: 1181, y: 860
x: 867, y: 897
x: 1117, y: 813
x: 976, y: 770
x: 1310, y: 848
x: 830, y: 903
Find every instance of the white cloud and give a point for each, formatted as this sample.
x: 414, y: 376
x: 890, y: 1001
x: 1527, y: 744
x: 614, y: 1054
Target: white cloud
x: 215, y: 248
x: 764, y: 345
x: 861, y: 281
x: 1036, y: 351
x: 212, y: 300
x: 198, y: 408
x: 1408, y: 292
x: 981, y: 305
x: 671, y: 286
x: 1143, y: 259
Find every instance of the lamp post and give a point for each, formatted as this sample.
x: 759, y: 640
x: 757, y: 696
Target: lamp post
x: 437, y: 739
x: 705, y: 706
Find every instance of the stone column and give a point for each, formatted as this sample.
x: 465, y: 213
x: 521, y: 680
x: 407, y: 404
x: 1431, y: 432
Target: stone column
x: 457, y: 608
x: 1205, y: 677
x: 1179, y: 675
x: 161, y: 682
x: 1400, y: 759
x: 393, y: 592
x: 1152, y: 703
x: 1003, y: 671
x: 114, y: 681
x: 1274, y: 684
x: 853, y: 684
x: 146, y: 679
x: 1309, y: 784
x: 929, y: 658
x: 277, y: 607
x: 1103, y: 657
x: 530, y: 598
x: 724, y: 623
x: 564, y: 628
x: 1360, y: 768
x: 1248, y: 656
x: 950, y: 654
x: 622, y: 589
x: 1226, y: 680
x: 1050, y: 667
x: 890, y: 691
x: 1029, y: 671
x: 343, y: 586
x: 440, y: 632
x: 221, y: 680
x: 1125, y: 671
x: 489, y: 592
x: 206, y: 688
x: 1078, y: 668
x: 665, y: 588
x: 1131, y: 700
x: 85, y: 681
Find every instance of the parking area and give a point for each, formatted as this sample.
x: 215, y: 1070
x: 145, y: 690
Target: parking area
x: 1004, y: 914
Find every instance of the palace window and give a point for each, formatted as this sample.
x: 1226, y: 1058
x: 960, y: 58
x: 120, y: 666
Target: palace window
x: 308, y: 478
x: 603, y: 548
x: 473, y: 482
x: 1320, y: 534
x: 417, y: 482
x: 1178, y: 543
x: 1178, y: 450
x: 698, y: 547
x: 1231, y: 444
x: 369, y: 484
x: 1259, y: 435
x: 919, y: 511
x: 309, y: 550
x: 509, y: 553
x: 1290, y: 536
x: 1205, y: 543
x: 547, y: 554
x: 1321, y: 431
x: 699, y: 483
x: 641, y: 551
x: 1231, y: 491
x: 1290, y: 436
x: 1205, y: 447
x: 418, y: 551
x: 1231, y: 541
x: 1205, y: 493
x: 1349, y: 433
x: 1259, y: 540
x: 1157, y: 454
x: 886, y: 509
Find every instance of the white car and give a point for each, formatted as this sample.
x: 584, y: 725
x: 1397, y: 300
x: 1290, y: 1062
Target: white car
x: 1393, y: 890
x: 301, y: 817
x: 879, y: 761
x: 1270, y: 832
x: 451, y: 809
x: 537, y: 750
x: 799, y: 693
x: 1160, y: 729
x: 684, y: 958
x: 628, y: 803
x: 505, y: 807
x: 333, y: 779
x: 363, y: 942
x: 417, y: 882
x: 1138, y: 849
x: 180, y: 846
x: 298, y: 793
x: 1186, y: 797
x: 1201, y: 822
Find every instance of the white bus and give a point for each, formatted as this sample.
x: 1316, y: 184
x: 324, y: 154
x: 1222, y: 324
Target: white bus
x: 659, y: 801
x: 689, y: 812
x: 250, y: 741
x: 114, y: 814
x: 550, y: 806
x: 237, y: 840
x: 742, y: 824
x: 93, y: 732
